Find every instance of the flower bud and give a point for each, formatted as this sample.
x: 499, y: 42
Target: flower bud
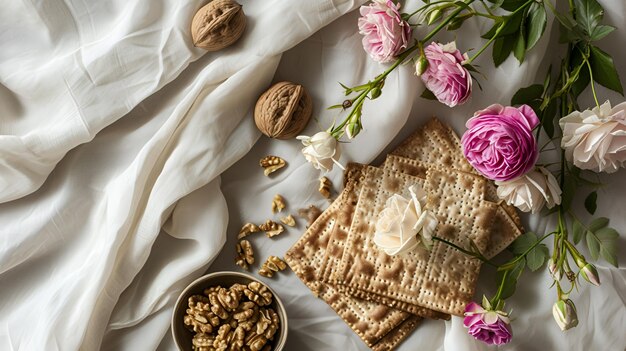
x: 590, y: 273
x: 564, y: 312
x: 555, y: 272
x: 421, y: 65
x: 375, y: 92
x: 352, y: 129
x: 434, y: 16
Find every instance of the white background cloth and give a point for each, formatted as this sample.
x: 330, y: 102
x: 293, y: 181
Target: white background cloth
x: 128, y: 158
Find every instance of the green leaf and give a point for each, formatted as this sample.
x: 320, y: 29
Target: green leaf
x: 608, y: 244
x: 510, y: 282
x: 583, y: 77
x: 547, y: 118
x: 527, y: 94
x: 577, y: 231
x: 589, y: 13
x: 601, y: 31
x: 598, y: 223
x: 509, y: 5
x: 593, y: 245
x: 523, y: 243
x: 519, y: 50
x: 537, y: 20
x: 502, y: 48
x: 604, y: 71
x: 510, y: 25
x: 334, y: 106
x: 427, y: 94
x: 536, y: 257
x: 591, y: 202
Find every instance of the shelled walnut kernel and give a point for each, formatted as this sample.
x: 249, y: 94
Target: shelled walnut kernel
x: 289, y: 220
x: 325, y: 187
x: 235, y: 318
x: 245, y: 254
x: 278, y: 203
x: 271, y: 228
x: 247, y: 229
x: 271, y: 164
x: 271, y: 265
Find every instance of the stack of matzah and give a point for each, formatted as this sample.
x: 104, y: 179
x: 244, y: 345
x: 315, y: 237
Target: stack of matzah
x: 381, y: 297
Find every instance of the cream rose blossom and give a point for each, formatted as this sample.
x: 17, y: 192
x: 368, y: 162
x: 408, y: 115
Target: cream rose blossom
x: 404, y: 223
x: 321, y: 150
x: 532, y: 191
x: 596, y: 139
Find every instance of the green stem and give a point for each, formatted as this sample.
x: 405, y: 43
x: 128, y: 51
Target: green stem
x: 518, y: 258
x: 467, y: 252
x: 593, y: 85
x: 498, y: 31
x: 496, y: 299
x: 446, y: 21
x: 424, y: 8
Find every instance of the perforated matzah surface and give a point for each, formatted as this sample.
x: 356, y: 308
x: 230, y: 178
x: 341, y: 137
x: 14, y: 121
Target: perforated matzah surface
x: 504, y: 229
x: 436, y: 143
x: 441, y: 279
x: 335, y: 250
x: 380, y: 327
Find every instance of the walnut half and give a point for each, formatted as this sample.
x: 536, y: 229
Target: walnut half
x: 271, y: 228
x: 278, y: 203
x: 271, y: 265
x: 325, y: 187
x: 245, y: 254
x: 271, y: 164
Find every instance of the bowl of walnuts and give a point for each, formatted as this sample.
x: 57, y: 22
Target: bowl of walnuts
x: 229, y: 311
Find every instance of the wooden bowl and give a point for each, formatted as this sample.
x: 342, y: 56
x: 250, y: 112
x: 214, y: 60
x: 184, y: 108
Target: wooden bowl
x: 182, y: 335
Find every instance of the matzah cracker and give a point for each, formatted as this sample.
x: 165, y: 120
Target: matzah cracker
x: 442, y: 279
x: 436, y: 143
x: 380, y: 327
x: 504, y: 229
x: 335, y: 248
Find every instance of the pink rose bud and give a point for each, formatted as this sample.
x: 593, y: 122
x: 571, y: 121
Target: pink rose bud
x: 446, y: 77
x: 590, y: 273
x: 385, y: 33
x: 499, y: 141
x: 564, y: 312
x: 556, y: 273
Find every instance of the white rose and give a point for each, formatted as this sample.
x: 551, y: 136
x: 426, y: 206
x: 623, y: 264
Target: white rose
x: 531, y: 191
x: 404, y: 223
x: 596, y: 139
x: 322, y: 150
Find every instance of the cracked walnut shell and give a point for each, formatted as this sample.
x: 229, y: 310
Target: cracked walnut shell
x: 217, y: 25
x: 283, y: 110
x: 271, y: 164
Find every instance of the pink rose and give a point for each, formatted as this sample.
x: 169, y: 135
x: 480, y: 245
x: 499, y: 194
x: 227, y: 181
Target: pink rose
x: 490, y: 327
x: 500, y: 143
x: 386, y: 34
x: 445, y: 76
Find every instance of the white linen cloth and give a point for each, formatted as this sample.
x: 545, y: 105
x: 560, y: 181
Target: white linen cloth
x: 95, y: 257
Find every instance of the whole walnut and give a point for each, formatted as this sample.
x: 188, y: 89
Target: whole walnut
x: 283, y: 110
x: 217, y: 25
